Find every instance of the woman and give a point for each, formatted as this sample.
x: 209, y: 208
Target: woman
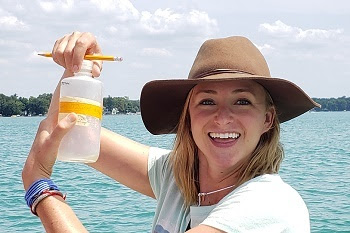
x: 222, y: 174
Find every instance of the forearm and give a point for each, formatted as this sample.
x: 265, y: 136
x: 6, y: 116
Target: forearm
x: 57, y: 216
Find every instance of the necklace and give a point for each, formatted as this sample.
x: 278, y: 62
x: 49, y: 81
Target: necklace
x: 201, y: 195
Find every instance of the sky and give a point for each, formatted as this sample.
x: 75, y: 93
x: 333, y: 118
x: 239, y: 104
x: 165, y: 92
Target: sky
x: 306, y: 42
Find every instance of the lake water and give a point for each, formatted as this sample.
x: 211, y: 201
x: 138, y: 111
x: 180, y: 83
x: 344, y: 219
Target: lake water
x: 317, y: 164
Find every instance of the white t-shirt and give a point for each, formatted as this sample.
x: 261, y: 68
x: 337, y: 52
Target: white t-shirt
x: 262, y: 204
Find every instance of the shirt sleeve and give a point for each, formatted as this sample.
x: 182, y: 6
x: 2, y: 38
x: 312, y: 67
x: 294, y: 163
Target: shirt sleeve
x: 157, y: 165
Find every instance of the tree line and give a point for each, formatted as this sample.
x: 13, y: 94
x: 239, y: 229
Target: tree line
x: 34, y: 106
x: 333, y: 104
x: 37, y: 106
x: 14, y: 105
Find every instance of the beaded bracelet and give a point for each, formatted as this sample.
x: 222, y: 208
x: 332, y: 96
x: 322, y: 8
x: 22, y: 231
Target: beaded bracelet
x: 39, y: 190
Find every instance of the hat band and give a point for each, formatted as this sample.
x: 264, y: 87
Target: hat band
x: 219, y: 71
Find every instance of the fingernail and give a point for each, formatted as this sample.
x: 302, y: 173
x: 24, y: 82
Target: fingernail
x: 72, y: 118
x: 75, y: 68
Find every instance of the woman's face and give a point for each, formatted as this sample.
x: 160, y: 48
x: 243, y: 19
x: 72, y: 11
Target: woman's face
x: 227, y: 120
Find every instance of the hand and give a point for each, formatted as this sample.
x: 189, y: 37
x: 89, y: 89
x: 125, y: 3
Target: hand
x: 43, y: 153
x: 69, y: 51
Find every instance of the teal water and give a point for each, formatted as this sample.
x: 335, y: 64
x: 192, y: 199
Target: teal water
x: 317, y: 164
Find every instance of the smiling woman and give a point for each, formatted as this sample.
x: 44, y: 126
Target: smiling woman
x: 222, y: 174
x: 226, y: 121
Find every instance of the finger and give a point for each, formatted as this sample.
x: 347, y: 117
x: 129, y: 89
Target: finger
x: 85, y: 44
x: 96, y: 68
x: 68, y: 52
x: 60, y: 130
x: 53, y: 52
x: 58, y: 50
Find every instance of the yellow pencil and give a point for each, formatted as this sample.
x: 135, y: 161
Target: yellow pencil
x: 91, y: 57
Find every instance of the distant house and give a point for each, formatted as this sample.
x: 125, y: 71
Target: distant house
x: 115, y: 111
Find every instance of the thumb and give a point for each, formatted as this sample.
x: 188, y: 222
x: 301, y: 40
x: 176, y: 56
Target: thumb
x: 63, y: 127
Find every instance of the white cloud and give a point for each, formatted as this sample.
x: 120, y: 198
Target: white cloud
x: 280, y: 29
x: 305, y: 44
x: 265, y: 48
x: 162, y: 21
x: 50, y: 6
x: 12, y: 23
x: 156, y: 52
x: 168, y: 22
x: 312, y: 34
x: 196, y: 17
x: 123, y: 9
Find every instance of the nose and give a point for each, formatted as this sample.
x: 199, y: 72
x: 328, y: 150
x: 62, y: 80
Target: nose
x: 223, y: 116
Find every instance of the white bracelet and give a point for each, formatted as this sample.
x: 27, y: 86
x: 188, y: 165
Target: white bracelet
x: 45, y: 194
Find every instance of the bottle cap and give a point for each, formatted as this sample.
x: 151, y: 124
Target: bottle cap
x: 86, y: 66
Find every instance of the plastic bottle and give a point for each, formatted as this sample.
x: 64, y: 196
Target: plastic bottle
x: 81, y: 94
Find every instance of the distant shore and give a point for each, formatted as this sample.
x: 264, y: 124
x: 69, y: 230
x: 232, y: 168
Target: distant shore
x: 13, y: 106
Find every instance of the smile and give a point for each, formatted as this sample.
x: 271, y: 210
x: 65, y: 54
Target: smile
x: 224, y: 135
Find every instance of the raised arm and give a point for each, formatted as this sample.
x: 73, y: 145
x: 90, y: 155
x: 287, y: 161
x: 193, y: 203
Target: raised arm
x: 120, y: 158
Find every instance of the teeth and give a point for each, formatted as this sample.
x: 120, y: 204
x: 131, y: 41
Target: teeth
x: 224, y: 135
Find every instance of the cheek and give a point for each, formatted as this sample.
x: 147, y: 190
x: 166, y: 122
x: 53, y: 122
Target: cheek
x: 255, y: 124
x: 198, y: 123
x: 196, y: 126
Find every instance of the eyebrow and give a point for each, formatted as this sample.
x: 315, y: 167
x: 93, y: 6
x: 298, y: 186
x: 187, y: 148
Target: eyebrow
x: 241, y: 90
x: 207, y: 91
x: 236, y: 91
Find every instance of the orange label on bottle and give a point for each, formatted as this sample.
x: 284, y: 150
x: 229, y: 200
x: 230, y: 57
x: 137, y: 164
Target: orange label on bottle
x: 81, y: 108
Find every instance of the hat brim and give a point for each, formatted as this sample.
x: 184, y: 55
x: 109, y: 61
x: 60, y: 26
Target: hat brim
x: 162, y: 101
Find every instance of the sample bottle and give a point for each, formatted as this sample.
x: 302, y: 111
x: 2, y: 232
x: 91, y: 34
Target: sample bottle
x: 81, y: 94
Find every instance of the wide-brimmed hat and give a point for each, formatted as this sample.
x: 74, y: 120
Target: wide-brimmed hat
x: 231, y: 58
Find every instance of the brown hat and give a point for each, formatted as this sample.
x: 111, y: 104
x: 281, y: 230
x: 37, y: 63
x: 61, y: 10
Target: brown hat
x: 231, y: 58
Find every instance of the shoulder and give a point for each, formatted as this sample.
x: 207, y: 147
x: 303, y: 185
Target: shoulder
x: 158, y: 157
x: 263, y: 201
x: 265, y: 186
x: 266, y: 191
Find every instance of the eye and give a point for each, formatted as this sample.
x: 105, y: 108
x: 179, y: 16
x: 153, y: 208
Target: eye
x: 243, y: 102
x: 207, y: 102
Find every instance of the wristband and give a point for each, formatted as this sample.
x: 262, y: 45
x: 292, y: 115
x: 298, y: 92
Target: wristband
x: 45, y: 194
x: 39, y: 190
x: 36, y: 188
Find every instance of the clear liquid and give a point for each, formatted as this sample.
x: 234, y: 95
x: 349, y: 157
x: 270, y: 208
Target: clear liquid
x: 82, y: 142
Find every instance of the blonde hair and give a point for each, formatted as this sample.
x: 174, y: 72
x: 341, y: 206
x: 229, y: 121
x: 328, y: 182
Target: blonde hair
x: 265, y: 159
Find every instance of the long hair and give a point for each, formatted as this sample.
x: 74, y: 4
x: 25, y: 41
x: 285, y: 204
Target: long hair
x: 265, y: 159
